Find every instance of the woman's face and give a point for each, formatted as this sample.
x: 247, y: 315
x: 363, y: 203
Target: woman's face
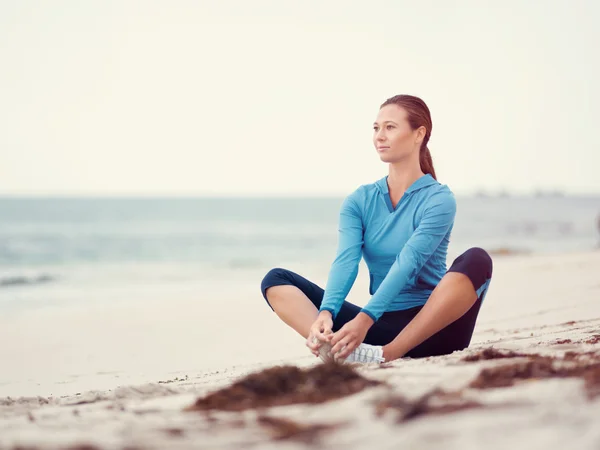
x: 393, y: 137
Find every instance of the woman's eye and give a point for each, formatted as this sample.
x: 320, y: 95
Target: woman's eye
x: 375, y: 128
x: 389, y: 127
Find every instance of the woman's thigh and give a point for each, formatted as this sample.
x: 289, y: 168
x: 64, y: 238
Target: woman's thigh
x: 476, y: 264
x: 456, y: 336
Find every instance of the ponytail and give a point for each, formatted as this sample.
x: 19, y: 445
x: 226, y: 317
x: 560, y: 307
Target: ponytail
x: 418, y: 116
x: 426, y: 162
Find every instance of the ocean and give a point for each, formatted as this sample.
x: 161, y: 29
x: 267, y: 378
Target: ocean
x: 115, y: 242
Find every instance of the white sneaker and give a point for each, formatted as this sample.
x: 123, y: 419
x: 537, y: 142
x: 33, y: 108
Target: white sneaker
x: 363, y: 354
x: 366, y: 354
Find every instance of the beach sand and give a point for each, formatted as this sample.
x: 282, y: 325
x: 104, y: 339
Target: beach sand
x: 546, y: 394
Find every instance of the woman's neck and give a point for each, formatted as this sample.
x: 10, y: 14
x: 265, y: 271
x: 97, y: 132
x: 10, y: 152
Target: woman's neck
x: 402, y: 176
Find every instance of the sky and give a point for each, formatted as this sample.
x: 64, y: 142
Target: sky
x: 272, y: 98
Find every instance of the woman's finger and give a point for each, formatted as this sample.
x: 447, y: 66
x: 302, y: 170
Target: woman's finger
x: 337, y: 337
x: 325, y: 330
x: 313, y: 343
x: 345, y: 352
x: 323, y: 337
x: 349, y: 348
x: 340, y: 345
x: 312, y: 350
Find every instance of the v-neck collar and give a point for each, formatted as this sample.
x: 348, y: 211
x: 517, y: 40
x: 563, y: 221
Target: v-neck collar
x: 419, y: 183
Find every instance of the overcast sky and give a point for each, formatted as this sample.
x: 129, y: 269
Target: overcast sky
x: 278, y: 97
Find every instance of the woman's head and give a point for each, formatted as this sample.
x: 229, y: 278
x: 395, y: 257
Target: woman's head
x: 402, y: 130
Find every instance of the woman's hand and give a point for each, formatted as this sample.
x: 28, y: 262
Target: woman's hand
x: 350, y: 336
x: 320, y: 332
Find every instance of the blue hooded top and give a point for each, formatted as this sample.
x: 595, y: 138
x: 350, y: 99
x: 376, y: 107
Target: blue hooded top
x: 405, y: 248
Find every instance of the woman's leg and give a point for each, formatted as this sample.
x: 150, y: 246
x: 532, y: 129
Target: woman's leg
x: 446, y: 322
x: 297, y: 300
x: 293, y: 298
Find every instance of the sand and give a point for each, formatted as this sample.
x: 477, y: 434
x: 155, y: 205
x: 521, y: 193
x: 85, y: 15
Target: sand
x: 530, y: 379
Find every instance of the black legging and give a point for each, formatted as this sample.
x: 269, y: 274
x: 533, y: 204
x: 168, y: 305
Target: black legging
x: 474, y: 263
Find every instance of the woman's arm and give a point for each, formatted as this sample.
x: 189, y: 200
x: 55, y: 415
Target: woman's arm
x: 344, y: 269
x: 437, y: 220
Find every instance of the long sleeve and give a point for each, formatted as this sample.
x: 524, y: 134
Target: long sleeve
x: 436, y: 222
x: 344, y: 269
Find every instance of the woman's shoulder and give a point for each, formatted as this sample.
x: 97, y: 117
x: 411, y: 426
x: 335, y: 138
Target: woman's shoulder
x: 368, y: 189
x: 440, y: 190
x: 358, y: 199
x: 362, y: 195
x: 439, y: 196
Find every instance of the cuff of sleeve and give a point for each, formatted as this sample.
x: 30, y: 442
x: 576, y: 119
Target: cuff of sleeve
x: 370, y: 314
x: 330, y: 310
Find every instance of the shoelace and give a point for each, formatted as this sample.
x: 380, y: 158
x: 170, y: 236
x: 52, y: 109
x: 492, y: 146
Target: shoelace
x: 365, y: 354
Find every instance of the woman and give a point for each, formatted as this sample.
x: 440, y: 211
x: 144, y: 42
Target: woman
x: 401, y: 225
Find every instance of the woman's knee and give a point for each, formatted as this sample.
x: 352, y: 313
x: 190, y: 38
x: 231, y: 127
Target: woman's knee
x: 274, y: 277
x: 481, y: 261
x: 476, y: 264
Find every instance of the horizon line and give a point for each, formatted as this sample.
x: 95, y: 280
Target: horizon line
x: 479, y: 194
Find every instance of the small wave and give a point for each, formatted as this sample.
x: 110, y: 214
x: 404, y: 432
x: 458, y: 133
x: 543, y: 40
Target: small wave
x: 25, y: 280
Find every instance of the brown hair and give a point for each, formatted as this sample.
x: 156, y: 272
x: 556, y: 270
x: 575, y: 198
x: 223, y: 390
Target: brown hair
x: 418, y: 115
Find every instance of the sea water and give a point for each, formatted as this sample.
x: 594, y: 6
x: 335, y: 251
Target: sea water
x: 125, y: 240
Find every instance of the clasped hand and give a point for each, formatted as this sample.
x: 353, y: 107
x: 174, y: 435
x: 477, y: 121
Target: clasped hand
x: 344, y: 341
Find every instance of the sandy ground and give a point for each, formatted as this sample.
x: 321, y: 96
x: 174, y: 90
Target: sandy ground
x: 547, y: 307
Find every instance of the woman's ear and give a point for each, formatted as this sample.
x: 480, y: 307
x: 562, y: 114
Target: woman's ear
x: 421, y: 132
